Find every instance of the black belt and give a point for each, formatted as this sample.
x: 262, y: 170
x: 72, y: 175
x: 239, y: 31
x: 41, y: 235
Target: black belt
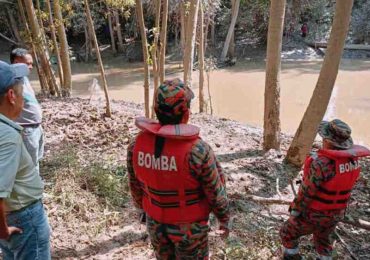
x: 30, y: 125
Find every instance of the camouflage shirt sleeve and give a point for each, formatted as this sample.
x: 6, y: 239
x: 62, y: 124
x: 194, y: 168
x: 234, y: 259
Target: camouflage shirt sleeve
x: 322, y: 169
x: 135, y: 186
x: 206, y: 169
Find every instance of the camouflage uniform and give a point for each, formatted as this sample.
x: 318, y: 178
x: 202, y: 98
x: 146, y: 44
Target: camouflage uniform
x: 186, y: 241
x: 319, y: 223
x: 304, y: 221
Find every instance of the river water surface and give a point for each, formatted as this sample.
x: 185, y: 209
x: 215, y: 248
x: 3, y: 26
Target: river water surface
x: 238, y: 92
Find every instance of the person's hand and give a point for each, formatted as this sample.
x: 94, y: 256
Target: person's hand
x: 11, y: 231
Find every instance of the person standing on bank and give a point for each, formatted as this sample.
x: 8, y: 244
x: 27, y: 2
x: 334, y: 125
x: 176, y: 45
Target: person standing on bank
x: 31, y: 117
x: 329, y: 177
x: 24, y: 228
x: 175, y: 178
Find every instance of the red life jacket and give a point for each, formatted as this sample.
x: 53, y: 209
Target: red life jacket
x: 335, y: 193
x: 171, y: 194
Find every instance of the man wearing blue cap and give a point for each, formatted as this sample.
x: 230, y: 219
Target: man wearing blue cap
x: 31, y: 116
x: 24, y: 228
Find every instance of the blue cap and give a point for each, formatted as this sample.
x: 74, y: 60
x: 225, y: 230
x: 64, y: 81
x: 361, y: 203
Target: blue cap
x: 10, y: 73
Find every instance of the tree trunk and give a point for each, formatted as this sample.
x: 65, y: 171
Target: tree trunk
x: 87, y: 44
x: 201, y: 59
x: 317, y: 107
x: 64, y: 52
x: 231, y: 30
x: 119, y: 30
x: 162, y: 59
x: 231, y: 51
x: 271, y: 126
x: 41, y: 48
x: 183, y: 27
x: 191, y: 29
x: 111, y: 31
x: 154, y: 50
x: 42, y: 77
x: 213, y: 32
x: 13, y: 24
x: 90, y: 23
x: 55, y: 42
x: 140, y: 18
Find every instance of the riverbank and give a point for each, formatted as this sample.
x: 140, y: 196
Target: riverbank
x: 88, y: 201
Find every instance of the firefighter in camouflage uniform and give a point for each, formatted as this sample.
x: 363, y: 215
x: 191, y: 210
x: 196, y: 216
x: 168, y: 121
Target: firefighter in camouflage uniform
x: 175, y: 178
x: 328, y: 179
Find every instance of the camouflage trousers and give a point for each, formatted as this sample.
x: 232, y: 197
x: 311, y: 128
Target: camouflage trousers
x: 320, y: 224
x: 185, y: 241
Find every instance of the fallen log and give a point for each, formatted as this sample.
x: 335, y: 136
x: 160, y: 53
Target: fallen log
x: 349, y: 220
x: 317, y: 45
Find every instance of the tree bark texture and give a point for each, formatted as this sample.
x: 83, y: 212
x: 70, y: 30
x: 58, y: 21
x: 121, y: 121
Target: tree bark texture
x: 42, y: 52
x: 90, y: 23
x: 271, y: 126
x: 42, y: 77
x: 231, y: 30
x: 111, y: 31
x: 55, y: 42
x: 140, y: 18
x: 162, y: 59
x: 231, y: 51
x: 201, y: 58
x: 64, y: 51
x: 191, y: 29
x: 119, y: 30
x: 307, y: 130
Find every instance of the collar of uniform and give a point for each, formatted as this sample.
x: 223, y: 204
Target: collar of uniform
x: 7, y: 121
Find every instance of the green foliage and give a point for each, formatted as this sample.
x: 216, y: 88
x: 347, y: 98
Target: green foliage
x: 360, y: 26
x: 108, y: 183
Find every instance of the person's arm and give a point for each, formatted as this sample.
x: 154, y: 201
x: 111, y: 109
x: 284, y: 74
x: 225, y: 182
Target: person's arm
x: 308, y: 189
x: 5, y: 231
x: 10, y: 154
x: 135, y: 186
x: 204, y: 167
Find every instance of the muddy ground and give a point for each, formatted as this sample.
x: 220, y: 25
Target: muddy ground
x: 88, y: 201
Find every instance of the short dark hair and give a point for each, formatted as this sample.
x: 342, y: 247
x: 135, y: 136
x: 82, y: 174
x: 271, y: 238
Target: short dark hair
x: 18, y: 53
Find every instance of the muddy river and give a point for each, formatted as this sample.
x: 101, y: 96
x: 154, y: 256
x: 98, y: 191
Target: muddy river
x: 237, y: 92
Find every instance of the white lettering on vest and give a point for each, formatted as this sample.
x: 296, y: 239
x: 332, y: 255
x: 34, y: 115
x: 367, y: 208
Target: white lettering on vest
x: 140, y: 160
x: 348, y: 167
x: 162, y: 163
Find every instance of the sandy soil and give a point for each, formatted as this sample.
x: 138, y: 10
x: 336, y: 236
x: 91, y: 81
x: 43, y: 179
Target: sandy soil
x: 88, y: 226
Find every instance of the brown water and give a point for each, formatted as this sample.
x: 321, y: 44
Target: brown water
x: 237, y: 92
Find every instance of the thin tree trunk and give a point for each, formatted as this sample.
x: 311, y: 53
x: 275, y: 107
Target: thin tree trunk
x: 162, y: 60
x: 206, y: 32
x: 231, y: 51
x: 190, y: 41
x: 87, y: 44
x: 183, y: 27
x: 55, y: 42
x: 119, y: 30
x: 111, y: 31
x: 140, y: 18
x: 90, y: 23
x: 317, y: 107
x: 271, y: 126
x: 154, y: 51
x: 42, y: 77
x: 41, y: 48
x: 213, y: 32
x: 64, y: 51
x: 201, y: 59
x: 231, y: 30
x: 13, y: 24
